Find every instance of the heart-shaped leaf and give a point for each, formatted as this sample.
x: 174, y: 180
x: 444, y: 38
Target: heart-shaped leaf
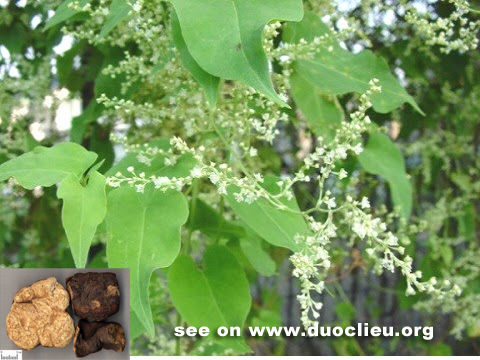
x: 322, y: 112
x: 216, y: 296
x: 336, y: 71
x: 225, y: 37
x: 209, y: 82
x: 260, y: 259
x: 382, y: 157
x: 276, y: 226
x: 144, y: 231
x: 84, y: 208
x: 47, y: 166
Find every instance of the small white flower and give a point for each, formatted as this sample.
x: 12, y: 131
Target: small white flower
x: 144, y: 159
x: 330, y: 202
x: 357, y: 149
x: 214, y: 178
x: 130, y: 169
x: 365, y: 204
x: 258, y: 177
x: 161, y: 181
x: 140, y: 187
x: 137, y: 7
x: 410, y: 290
x: 253, y: 152
x: 359, y: 229
x: 61, y: 94
x: 37, y: 191
x: 342, y: 174
x: 196, y: 172
x: 48, y: 101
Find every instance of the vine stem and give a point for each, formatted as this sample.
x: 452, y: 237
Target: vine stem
x: 193, y: 207
x: 270, y: 199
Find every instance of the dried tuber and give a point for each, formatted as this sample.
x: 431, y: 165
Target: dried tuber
x: 94, y: 295
x: 95, y: 336
x: 38, y: 316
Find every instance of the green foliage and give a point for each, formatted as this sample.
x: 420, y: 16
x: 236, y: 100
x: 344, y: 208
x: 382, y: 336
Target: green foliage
x: 336, y: 71
x: 261, y: 261
x: 322, y: 111
x: 48, y: 166
x: 144, y: 235
x: 119, y: 10
x: 84, y: 208
x: 216, y: 296
x: 209, y: 82
x: 235, y: 52
x: 213, y: 224
x: 157, y: 166
x: 382, y: 157
x: 64, y: 12
x: 338, y: 74
x: 276, y: 226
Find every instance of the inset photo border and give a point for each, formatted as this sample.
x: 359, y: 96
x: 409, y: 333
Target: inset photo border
x: 12, y: 280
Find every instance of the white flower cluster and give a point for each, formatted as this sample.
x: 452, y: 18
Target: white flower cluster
x: 287, y: 53
x: 311, y: 264
x: 443, y: 32
x: 382, y: 242
x: 220, y: 175
x: 463, y: 271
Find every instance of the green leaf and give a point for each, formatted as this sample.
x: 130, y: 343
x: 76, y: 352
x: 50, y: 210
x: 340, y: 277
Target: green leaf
x: 466, y: 222
x: 267, y: 318
x: 345, y: 311
x: 446, y: 253
x: 209, y: 82
x: 440, y: 349
x: 64, y: 12
x: 225, y: 37
x: 101, y: 144
x: 336, y: 71
x: 211, y: 223
x: 47, y: 166
x: 322, y: 112
x: 13, y: 37
x: 84, y: 208
x: 136, y: 326
x: 157, y: 167
x: 261, y: 261
x: 278, y: 227
x: 119, y: 10
x: 144, y: 231
x: 113, y: 86
x: 382, y: 157
x: 216, y: 296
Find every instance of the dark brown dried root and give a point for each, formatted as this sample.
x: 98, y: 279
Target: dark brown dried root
x: 95, y: 336
x: 94, y: 295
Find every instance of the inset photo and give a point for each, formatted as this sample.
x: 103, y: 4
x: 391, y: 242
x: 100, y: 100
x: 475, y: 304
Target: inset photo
x: 65, y: 314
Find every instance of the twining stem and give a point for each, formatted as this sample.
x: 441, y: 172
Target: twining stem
x: 193, y: 208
